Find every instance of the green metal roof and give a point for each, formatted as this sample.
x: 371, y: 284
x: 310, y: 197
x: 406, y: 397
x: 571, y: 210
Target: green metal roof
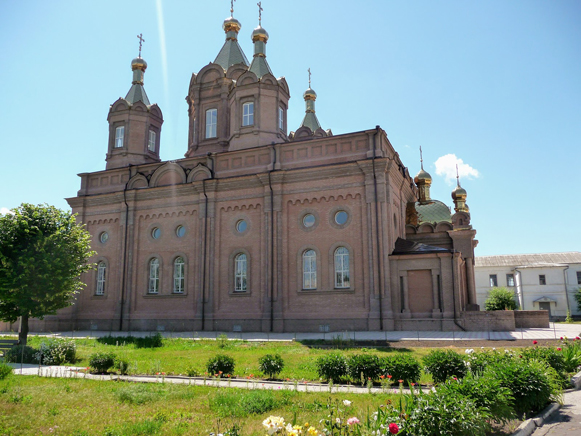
x: 230, y: 54
x: 433, y: 212
x: 259, y: 66
x: 137, y: 93
x: 311, y: 121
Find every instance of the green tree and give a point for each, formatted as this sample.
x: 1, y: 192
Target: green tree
x: 578, y: 299
x: 500, y: 299
x: 43, y: 252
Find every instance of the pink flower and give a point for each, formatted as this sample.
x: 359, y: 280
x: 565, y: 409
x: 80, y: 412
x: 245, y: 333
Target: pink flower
x: 393, y: 428
x: 535, y: 342
x: 559, y: 349
x: 561, y: 337
x: 352, y: 421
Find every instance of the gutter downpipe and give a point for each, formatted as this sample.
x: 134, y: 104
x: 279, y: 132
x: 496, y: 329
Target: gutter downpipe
x: 271, y: 243
x: 379, y: 275
x: 124, y: 251
x: 566, y: 293
x: 454, y: 293
x: 205, y: 242
x: 520, y: 289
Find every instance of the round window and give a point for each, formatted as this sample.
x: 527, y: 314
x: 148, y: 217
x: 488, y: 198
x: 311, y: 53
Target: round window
x: 241, y: 226
x: 156, y: 233
x: 180, y: 231
x: 104, y: 237
x: 309, y: 220
x: 341, y: 217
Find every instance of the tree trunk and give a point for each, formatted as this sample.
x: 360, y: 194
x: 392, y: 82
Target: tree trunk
x: 23, y: 333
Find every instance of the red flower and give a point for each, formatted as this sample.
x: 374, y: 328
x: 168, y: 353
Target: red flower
x: 535, y: 342
x: 561, y: 337
x: 401, y: 381
x: 368, y: 378
x: 389, y: 376
x: 455, y: 378
x: 382, y: 377
x: 393, y: 428
x: 413, y: 384
x: 577, y: 338
x: 559, y: 349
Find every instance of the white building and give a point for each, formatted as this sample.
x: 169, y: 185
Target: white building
x: 546, y: 281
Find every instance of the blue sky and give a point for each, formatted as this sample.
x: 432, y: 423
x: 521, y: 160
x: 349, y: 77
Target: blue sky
x: 495, y: 84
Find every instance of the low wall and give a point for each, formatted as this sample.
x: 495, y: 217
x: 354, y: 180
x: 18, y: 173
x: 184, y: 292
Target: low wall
x: 495, y: 321
x: 526, y: 319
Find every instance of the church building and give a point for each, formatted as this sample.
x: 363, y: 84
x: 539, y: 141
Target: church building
x: 263, y: 226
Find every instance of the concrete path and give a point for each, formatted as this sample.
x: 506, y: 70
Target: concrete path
x: 554, y: 332
x: 565, y: 421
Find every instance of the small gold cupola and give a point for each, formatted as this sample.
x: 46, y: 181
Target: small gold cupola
x: 259, y: 66
x: 423, y: 180
x: 231, y: 52
x: 459, y: 196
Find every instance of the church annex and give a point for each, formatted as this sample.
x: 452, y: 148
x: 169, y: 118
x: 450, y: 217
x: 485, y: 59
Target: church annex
x: 261, y: 228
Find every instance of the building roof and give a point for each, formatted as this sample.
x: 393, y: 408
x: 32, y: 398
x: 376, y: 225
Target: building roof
x: 137, y: 93
x: 403, y: 246
x: 433, y: 212
x: 530, y: 260
x: 230, y: 54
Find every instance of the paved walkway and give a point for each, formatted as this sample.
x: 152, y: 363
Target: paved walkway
x: 554, y: 332
x: 565, y: 421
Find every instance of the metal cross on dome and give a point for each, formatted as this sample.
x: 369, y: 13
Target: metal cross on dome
x: 232, y: 7
x: 259, y: 4
x: 141, y: 41
x: 309, y: 70
x: 421, y: 158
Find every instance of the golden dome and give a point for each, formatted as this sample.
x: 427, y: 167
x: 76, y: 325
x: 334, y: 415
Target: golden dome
x: 231, y: 24
x: 459, y: 193
x: 310, y: 94
x: 259, y: 34
x: 138, y: 64
x: 423, y: 177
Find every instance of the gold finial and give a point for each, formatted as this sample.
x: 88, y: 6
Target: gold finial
x: 259, y: 4
x: 309, y: 77
x: 421, y: 158
x: 232, y: 7
x: 141, y: 41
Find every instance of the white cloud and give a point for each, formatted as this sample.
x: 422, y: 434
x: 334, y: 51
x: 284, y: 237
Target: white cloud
x: 446, y: 167
x: 5, y: 211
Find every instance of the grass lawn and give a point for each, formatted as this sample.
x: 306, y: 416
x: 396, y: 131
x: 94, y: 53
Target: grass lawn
x: 32, y: 405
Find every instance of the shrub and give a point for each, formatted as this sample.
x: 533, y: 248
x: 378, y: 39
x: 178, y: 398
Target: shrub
x: 16, y: 354
x: 364, y: 367
x: 577, y: 297
x: 332, y: 367
x: 192, y: 371
x: 552, y: 357
x: 571, y: 355
x: 5, y: 370
x: 485, y: 392
x: 477, y: 362
x: 57, y: 352
x: 122, y: 365
x: 153, y: 341
x: 401, y: 367
x: 500, y: 299
x: 271, y: 364
x: 221, y: 365
x: 443, y: 364
x: 101, y: 362
x: 533, y: 383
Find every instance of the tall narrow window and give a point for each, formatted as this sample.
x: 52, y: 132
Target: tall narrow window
x: 240, y: 273
x: 542, y: 279
x: 101, y: 276
x: 153, y: 287
x: 310, y: 269
x: 493, y: 280
x: 211, y: 123
x: 151, y: 142
x: 248, y: 114
x: 510, y: 280
x: 280, y: 118
x: 178, y: 275
x: 579, y: 277
x: 342, y: 268
x: 119, y: 134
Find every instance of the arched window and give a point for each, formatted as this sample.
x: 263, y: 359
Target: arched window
x: 101, y: 275
x: 310, y: 269
x: 153, y: 287
x: 342, y: 268
x: 211, y: 123
x: 178, y: 275
x: 240, y: 273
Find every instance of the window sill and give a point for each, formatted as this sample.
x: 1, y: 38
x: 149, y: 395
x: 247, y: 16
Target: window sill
x: 99, y: 297
x: 240, y: 294
x: 173, y: 295
x: 327, y: 291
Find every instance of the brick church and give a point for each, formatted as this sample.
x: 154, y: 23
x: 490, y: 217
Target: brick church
x: 259, y: 227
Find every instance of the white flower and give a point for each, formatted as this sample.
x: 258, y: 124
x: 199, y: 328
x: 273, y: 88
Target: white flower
x: 467, y: 363
x: 346, y: 403
x: 433, y: 389
x: 494, y: 349
x: 469, y: 351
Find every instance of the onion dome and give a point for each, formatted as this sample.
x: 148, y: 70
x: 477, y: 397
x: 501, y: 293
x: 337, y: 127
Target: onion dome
x: 423, y: 177
x: 459, y: 196
x: 310, y: 94
x: 138, y: 64
x: 231, y: 24
x: 259, y: 34
x: 459, y: 193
